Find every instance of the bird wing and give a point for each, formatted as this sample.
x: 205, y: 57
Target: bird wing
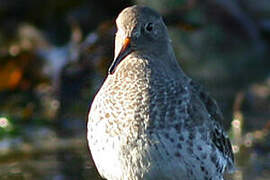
x: 219, y: 138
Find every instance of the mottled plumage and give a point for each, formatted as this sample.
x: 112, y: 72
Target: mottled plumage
x: 149, y: 120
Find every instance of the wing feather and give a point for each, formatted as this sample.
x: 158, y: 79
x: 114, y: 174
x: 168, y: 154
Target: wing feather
x: 218, y: 135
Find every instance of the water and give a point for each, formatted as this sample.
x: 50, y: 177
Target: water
x: 64, y: 159
x: 69, y: 158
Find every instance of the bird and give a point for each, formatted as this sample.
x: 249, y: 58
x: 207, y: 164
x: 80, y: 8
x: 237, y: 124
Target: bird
x: 149, y: 120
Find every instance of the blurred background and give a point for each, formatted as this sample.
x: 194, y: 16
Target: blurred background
x: 54, y: 56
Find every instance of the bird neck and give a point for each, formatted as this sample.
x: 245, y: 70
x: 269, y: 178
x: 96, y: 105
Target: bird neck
x: 165, y: 64
x: 137, y: 66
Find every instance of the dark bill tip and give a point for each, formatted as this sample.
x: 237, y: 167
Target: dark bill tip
x: 125, y: 50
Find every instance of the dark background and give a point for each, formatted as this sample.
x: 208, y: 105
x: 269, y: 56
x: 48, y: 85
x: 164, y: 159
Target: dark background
x: 54, y: 56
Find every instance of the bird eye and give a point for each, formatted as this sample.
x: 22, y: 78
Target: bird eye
x: 149, y: 27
